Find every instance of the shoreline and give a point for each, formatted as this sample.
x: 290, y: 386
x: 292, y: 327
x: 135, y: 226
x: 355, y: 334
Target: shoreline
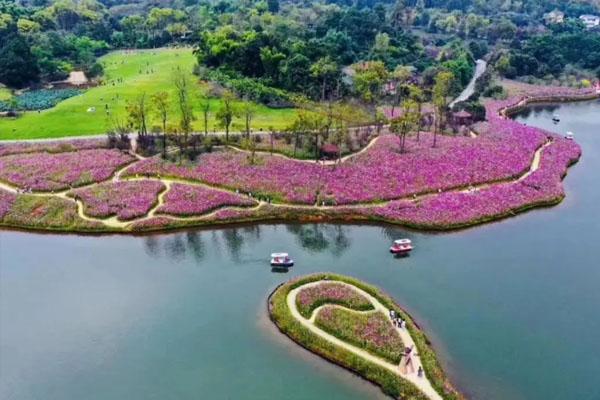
x: 346, y: 213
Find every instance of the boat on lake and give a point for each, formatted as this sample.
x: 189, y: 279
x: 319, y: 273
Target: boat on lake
x: 281, y: 260
x: 569, y: 135
x: 401, y: 247
x: 555, y: 118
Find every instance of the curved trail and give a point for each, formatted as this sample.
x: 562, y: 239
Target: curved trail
x: 318, y: 162
x: 114, y: 222
x: 422, y: 383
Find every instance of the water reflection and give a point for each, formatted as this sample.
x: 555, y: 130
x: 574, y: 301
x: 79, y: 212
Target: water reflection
x: 316, y: 238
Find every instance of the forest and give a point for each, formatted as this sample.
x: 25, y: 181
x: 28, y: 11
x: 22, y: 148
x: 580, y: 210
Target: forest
x: 269, y: 49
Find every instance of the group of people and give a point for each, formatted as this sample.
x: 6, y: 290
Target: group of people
x: 407, y: 358
x: 397, y: 320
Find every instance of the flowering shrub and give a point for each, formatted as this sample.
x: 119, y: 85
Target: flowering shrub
x: 185, y: 200
x: 310, y: 298
x: 49, y: 172
x: 6, y: 201
x: 373, y: 331
x: 47, y: 212
x: 58, y: 146
x: 126, y: 200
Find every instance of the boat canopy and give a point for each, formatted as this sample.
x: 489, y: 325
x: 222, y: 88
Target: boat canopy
x: 402, y: 241
x: 279, y: 255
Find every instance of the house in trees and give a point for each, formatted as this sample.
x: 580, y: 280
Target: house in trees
x: 590, y: 21
x: 554, y: 17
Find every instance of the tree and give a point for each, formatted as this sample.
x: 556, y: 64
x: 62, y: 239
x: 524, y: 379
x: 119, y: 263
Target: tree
x: 369, y: 79
x: 324, y: 70
x: 406, y: 122
x: 400, y: 77
x: 249, y: 144
x: 18, y: 66
x: 273, y: 6
x: 441, y: 90
x: 137, y: 113
x: 416, y: 94
x: 248, y: 110
x: 161, y: 104
x: 205, y: 107
x: 182, y: 85
x: 226, y: 113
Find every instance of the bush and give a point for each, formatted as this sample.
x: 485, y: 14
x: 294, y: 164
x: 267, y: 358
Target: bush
x: 251, y: 89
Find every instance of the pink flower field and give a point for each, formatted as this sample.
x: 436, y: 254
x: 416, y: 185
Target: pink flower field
x: 310, y: 298
x: 126, y: 200
x: 188, y: 200
x: 6, y: 201
x: 57, y: 146
x: 461, y: 182
x: 46, y: 172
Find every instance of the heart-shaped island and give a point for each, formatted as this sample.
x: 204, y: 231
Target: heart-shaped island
x: 360, y: 328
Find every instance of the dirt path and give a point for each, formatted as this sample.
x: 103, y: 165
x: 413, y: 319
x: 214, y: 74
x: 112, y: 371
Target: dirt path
x: 422, y: 382
x: 319, y: 162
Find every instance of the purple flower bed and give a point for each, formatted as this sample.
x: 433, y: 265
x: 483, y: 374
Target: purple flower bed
x: 48, y: 172
x: 126, y: 200
x: 7, y: 199
x: 291, y: 181
x: 454, y: 209
x: 310, y: 298
x: 373, y: 332
x: 382, y: 173
x: 59, y: 146
x: 184, y: 200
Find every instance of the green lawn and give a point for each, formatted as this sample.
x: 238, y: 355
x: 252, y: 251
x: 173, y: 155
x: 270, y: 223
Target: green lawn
x: 70, y: 117
x: 5, y: 94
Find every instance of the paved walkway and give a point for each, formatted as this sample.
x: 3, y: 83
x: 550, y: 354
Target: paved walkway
x: 422, y: 382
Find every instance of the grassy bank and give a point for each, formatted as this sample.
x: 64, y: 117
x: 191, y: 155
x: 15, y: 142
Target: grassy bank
x: 133, y: 73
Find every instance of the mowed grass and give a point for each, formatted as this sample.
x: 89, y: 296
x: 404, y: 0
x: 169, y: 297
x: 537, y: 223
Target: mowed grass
x: 127, y: 74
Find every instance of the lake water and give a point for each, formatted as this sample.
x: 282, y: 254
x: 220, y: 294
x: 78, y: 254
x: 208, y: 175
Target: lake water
x: 513, y: 307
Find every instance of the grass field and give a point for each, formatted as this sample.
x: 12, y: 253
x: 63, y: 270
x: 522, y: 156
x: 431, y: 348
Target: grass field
x: 5, y: 94
x: 141, y: 71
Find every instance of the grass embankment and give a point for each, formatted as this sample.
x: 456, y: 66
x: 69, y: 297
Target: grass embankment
x: 133, y: 73
x: 389, y: 382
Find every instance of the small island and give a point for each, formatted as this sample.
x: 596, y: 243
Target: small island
x: 360, y: 328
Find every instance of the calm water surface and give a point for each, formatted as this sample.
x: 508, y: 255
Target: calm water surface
x: 512, y: 307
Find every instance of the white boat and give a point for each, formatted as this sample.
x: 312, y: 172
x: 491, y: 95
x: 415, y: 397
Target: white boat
x: 555, y: 118
x: 569, y: 135
x: 281, y: 260
x: 401, y: 246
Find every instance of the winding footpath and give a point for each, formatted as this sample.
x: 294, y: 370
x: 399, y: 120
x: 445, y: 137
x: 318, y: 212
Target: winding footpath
x: 421, y: 382
x: 114, y: 222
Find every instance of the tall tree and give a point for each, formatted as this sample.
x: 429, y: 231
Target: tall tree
x: 18, y: 67
x: 248, y: 110
x: 441, y: 90
x: 205, y: 108
x: 406, y: 122
x: 226, y: 113
x: 161, y: 104
x: 182, y: 84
